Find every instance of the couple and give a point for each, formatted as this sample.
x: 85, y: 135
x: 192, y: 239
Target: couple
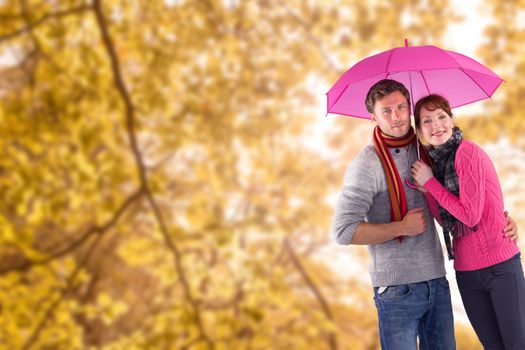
x: 377, y: 207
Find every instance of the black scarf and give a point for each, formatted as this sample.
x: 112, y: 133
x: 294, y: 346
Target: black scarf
x: 445, y: 172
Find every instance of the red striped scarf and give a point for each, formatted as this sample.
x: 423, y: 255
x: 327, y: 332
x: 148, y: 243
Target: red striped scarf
x: 396, y: 190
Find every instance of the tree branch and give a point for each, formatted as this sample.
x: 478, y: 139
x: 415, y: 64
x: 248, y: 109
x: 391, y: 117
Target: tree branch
x: 42, y: 20
x: 332, y: 339
x: 130, y: 126
x: 100, y: 230
x: 70, y: 283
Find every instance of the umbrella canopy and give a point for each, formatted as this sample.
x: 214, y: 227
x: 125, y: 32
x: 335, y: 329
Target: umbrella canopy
x: 423, y: 70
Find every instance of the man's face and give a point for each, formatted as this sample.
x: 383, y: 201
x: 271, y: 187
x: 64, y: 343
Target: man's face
x: 391, y: 113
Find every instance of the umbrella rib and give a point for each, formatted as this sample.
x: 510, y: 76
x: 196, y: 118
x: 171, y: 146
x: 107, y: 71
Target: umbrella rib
x: 387, y: 72
x: 338, y: 97
x: 411, y: 92
x: 488, y: 96
x: 425, y: 81
x: 475, y: 82
x: 350, y: 115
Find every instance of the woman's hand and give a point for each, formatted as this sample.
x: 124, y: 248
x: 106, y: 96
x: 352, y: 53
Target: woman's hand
x: 511, y: 230
x: 421, y: 172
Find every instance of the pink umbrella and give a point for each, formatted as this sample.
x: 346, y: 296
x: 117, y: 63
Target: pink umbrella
x: 423, y: 70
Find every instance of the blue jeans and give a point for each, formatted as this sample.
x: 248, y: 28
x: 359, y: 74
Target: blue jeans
x: 494, y: 299
x: 414, y: 310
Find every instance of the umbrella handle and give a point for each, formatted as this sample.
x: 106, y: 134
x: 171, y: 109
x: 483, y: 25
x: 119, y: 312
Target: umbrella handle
x: 410, y: 184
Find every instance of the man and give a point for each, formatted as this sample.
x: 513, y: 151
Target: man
x: 376, y: 208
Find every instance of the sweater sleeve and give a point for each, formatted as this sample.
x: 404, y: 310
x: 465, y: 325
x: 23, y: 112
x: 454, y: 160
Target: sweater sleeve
x: 468, y: 208
x: 432, y: 206
x: 355, y: 199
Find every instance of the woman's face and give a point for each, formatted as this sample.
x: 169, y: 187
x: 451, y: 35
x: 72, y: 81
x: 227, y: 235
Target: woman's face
x: 435, y: 126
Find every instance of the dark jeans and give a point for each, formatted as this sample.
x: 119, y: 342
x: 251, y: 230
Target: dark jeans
x: 417, y: 309
x: 494, y: 298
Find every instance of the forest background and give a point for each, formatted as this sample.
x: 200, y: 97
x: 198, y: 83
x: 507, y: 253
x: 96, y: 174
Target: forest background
x: 168, y: 174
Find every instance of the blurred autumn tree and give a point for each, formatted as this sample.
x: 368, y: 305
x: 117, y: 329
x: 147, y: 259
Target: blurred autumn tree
x: 502, y: 51
x: 501, y: 121
x: 158, y: 191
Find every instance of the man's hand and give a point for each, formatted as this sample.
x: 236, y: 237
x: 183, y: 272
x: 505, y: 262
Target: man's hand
x: 511, y: 230
x: 413, y: 223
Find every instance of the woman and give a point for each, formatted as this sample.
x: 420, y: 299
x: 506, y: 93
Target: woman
x: 465, y: 184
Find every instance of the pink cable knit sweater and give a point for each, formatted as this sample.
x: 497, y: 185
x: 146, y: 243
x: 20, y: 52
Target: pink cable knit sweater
x: 480, y: 201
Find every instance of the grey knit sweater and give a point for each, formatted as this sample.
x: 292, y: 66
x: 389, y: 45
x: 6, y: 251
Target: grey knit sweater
x: 364, y: 198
